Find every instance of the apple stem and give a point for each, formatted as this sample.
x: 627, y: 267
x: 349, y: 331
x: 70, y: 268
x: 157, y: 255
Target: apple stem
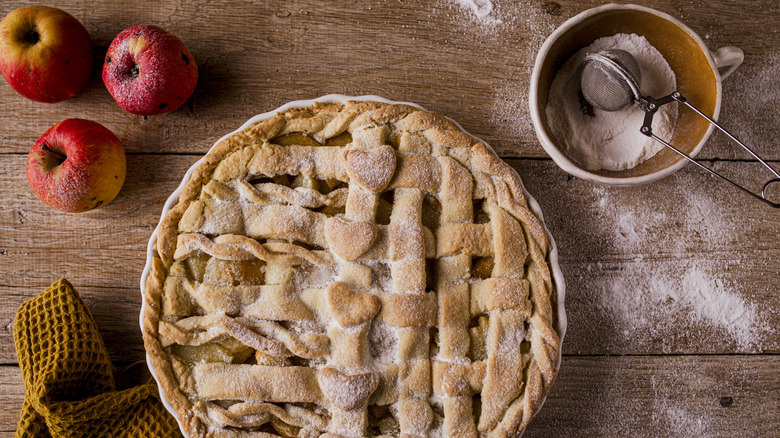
x: 59, y: 155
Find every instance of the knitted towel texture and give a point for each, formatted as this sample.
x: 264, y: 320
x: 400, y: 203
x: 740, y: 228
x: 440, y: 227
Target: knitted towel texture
x: 69, y: 379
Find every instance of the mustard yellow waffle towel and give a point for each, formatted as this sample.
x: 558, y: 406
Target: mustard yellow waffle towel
x: 69, y: 379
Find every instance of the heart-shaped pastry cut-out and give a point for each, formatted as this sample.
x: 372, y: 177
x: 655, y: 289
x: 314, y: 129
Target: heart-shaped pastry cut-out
x: 347, y: 392
x: 348, y: 307
x: 349, y: 240
x: 371, y: 168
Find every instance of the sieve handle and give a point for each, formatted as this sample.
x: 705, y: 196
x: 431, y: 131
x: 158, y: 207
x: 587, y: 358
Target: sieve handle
x: 650, y: 106
x: 727, y: 59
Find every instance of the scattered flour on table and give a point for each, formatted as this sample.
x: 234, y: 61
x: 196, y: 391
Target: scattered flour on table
x: 680, y: 421
x: 482, y: 10
x: 531, y: 22
x: 648, y: 299
x: 678, y: 418
x: 510, y: 111
x: 611, y: 140
x: 751, y: 109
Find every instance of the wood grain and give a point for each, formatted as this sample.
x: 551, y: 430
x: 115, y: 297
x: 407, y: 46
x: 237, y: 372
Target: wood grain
x: 253, y: 57
x: 679, y: 396
x: 642, y: 265
x: 686, y: 215
x: 11, y: 398
x: 609, y: 239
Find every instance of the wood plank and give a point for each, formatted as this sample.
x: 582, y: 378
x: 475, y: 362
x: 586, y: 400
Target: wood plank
x: 638, y: 396
x: 11, y: 399
x: 255, y: 57
x: 641, y: 263
x: 679, y: 396
x: 686, y: 215
x: 669, y: 267
x: 612, y: 308
x: 27, y: 223
x: 670, y: 307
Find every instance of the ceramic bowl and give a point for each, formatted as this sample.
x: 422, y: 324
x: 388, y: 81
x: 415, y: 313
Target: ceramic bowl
x: 698, y: 70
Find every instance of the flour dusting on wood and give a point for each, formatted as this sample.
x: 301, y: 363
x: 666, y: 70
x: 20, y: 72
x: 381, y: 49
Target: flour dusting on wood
x: 647, y: 299
x: 482, y: 10
x: 490, y: 22
x: 749, y: 102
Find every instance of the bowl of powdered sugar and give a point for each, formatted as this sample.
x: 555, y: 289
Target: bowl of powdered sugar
x: 607, y: 146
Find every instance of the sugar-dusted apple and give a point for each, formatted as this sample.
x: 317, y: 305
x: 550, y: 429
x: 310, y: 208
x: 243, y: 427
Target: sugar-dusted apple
x: 149, y: 70
x: 77, y: 165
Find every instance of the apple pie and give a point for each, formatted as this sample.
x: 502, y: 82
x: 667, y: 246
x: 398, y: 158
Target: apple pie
x: 352, y: 269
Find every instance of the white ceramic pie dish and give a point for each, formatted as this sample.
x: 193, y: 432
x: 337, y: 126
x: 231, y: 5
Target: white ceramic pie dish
x: 557, y: 274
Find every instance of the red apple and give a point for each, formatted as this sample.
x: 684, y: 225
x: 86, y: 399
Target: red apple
x: 45, y: 53
x: 149, y: 71
x: 76, y: 165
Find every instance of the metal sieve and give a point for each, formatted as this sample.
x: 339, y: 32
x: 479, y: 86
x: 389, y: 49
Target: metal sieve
x: 610, y: 81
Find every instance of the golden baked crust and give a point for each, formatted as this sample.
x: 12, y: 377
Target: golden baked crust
x: 355, y: 269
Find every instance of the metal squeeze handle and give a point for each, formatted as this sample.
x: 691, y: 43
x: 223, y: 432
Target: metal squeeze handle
x: 603, y: 70
x: 650, y: 107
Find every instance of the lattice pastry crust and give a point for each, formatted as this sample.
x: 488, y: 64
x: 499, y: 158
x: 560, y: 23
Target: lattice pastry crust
x: 349, y: 270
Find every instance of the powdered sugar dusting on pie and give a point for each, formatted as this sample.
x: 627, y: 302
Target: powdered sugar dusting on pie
x: 383, y: 344
x: 349, y: 270
x: 309, y: 275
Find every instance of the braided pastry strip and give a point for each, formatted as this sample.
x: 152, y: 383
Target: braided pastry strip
x: 199, y: 330
x: 267, y: 193
x: 235, y: 247
x: 254, y: 414
x: 545, y: 343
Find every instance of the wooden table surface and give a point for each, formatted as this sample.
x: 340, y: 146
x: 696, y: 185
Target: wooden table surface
x: 672, y: 287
